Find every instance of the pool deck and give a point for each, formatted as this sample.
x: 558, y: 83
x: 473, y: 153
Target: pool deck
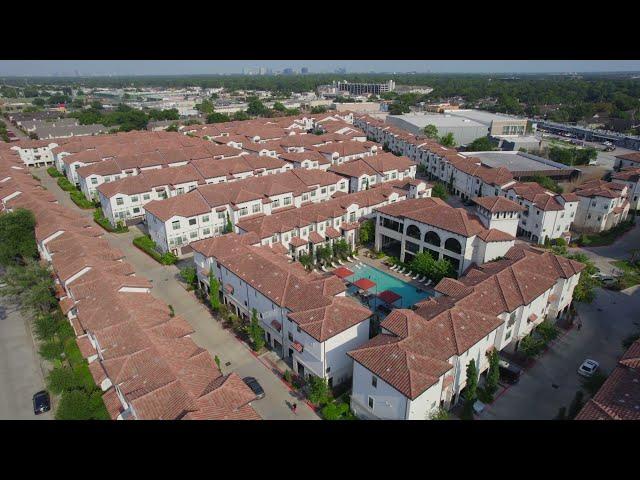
x: 377, y: 263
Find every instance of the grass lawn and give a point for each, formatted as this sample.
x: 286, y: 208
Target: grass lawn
x: 630, y: 274
x: 605, y: 238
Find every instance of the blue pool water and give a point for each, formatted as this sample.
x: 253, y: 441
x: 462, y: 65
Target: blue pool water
x: 384, y: 281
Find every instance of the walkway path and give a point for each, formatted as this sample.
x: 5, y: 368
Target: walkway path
x: 208, y: 332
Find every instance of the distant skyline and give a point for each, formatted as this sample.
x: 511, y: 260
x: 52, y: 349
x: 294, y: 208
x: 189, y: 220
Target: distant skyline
x: 193, y: 67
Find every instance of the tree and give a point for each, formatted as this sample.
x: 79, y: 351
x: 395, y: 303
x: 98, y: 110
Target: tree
x: 228, y: 228
x: 278, y: 106
x: 217, y: 117
x: 424, y: 264
x: 493, y: 375
x: 256, y: 332
x: 367, y: 231
x: 257, y: 108
x: 547, y: 183
x: 61, y: 379
x: 241, y: 116
x: 31, y: 285
x: 305, y: 260
x: 214, y: 289
x: 440, y: 414
x: 189, y: 275
x: 576, y: 405
x: 439, y: 190
x: 471, y: 390
x: 482, y: 144
x: 318, y: 390
x: 430, y: 131
x: 318, y: 109
x: 448, y: 140
x: 17, y: 237
x: 80, y: 405
x: 341, y: 248
x: 205, y: 107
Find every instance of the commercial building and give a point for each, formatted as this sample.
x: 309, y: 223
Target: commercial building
x: 464, y: 130
x: 525, y: 165
x: 354, y: 89
x: 417, y: 364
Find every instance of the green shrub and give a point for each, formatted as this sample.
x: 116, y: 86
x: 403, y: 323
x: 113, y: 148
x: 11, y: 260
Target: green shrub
x: 319, y: 393
x: 66, y: 185
x: 337, y: 411
x: 144, y: 243
x: 100, y: 219
x: 547, y: 330
x: 287, y: 376
x: 60, y: 379
x: 79, y: 200
x: 51, y: 349
x: 53, y: 172
x: 189, y: 275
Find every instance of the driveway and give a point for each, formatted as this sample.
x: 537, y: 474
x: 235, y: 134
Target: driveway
x: 234, y: 355
x: 20, y: 371
x: 552, y: 381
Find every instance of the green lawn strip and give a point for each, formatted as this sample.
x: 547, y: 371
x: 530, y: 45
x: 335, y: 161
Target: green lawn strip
x: 54, y: 173
x: 79, y: 200
x: 630, y: 274
x: 605, y: 238
x: 144, y: 243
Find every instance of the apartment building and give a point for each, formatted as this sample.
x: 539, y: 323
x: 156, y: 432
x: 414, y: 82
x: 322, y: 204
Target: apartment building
x: 630, y: 177
x: 627, y: 160
x: 176, y: 222
x: 140, y: 355
x: 603, y: 205
x: 546, y: 215
x: 302, y: 231
x: 341, y: 152
x: 370, y: 171
x: 306, y: 317
x: 36, y: 153
x: 417, y: 364
x: 431, y: 225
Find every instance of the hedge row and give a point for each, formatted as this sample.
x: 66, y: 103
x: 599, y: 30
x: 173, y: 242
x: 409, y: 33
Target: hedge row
x: 148, y: 246
x: 101, y: 220
x: 53, y: 172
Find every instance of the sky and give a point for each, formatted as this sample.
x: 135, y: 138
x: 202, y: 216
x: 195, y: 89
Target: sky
x: 186, y: 67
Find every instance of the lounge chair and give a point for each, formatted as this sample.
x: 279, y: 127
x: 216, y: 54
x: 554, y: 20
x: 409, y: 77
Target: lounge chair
x: 356, y: 257
x: 400, y: 270
x: 324, y: 269
x: 416, y: 277
x: 349, y: 259
x: 428, y: 283
x: 340, y: 262
x: 421, y: 280
x: 394, y: 268
x: 333, y: 264
x: 408, y: 274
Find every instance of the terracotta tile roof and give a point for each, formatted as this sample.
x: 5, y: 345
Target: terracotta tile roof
x: 498, y: 204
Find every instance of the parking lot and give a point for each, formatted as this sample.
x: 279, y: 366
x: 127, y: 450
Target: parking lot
x: 552, y: 381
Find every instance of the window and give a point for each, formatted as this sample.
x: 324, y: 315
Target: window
x: 255, y: 208
x: 221, y: 215
x: 374, y: 381
x: 206, y: 231
x: 313, y: 193
x: 94, y: 181
x: 287, y: 201
x: 243, y: 211
x: 205, y: 219
x: 512, y: 320
x: 192, y: 221
x: 134, y: 199
x: 370, y: 402
x: 146, y: 196
x: 136, y: 210
x: 119, y: 201
x: 193, y: 234
x: 175, y: 225
x: 298, y: 328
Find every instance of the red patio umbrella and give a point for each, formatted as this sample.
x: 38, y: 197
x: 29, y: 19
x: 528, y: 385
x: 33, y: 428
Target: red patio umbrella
x: 389, y: 296
x: 342, y: 272
x: 364, y: 284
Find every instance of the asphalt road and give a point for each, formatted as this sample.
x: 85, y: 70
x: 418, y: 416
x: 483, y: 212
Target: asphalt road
x: 20, y: 373
x: 553, y: 380
x: 208, y: 333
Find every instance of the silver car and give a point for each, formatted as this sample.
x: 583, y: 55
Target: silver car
x: 588, y: 368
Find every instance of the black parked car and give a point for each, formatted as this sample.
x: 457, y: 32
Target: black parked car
x: 255, y: 387
x: 509, y: 373
x: 41, y: 402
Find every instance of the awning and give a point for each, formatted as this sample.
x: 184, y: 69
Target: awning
x: 342, y: 272
x: 533, y: 317
x: 389, y: 296
x: 276, y: 324
x: 228, y: 288
x: 332, y: 233
x: 315, y: 237
x: 364, y: 284
x: 297, y: 346
x: 298, y: 242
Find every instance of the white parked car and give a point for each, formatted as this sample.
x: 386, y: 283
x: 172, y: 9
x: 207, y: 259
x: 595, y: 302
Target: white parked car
x: 588, y: 367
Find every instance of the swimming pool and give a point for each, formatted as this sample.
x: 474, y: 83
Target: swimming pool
x: 410, y: 295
